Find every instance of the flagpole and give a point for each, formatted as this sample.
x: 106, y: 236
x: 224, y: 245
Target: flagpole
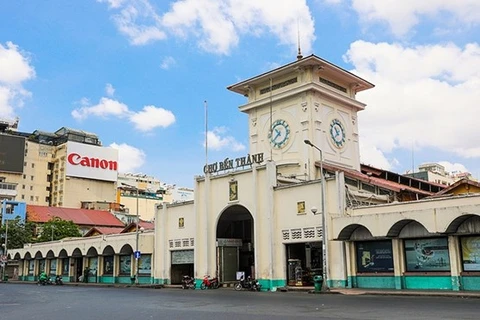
x: 207, y: 195
x: 271, y: 121
x: 206, y: 132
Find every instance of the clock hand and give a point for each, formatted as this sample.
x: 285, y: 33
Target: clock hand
x: 277, y: 135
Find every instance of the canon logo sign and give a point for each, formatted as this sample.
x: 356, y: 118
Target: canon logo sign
x: 91, y: 162
x: 76, y: 159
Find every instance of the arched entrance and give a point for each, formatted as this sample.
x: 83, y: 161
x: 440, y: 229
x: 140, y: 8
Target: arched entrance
x: 77, y: 257
x: 92, y: 264
x: 235, y: 243
x: 125, y: 259
x: 65, y: 267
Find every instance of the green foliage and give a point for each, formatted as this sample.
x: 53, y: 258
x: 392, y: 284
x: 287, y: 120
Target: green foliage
x: 56, y: 229
x: 19, y: 233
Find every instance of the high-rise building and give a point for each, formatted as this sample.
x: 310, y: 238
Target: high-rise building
x: 61, y: 168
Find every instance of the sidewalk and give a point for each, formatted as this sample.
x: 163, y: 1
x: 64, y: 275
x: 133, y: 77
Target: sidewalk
x: 410, y: 292
x: 391, y: 292
x: 83, y: 284
x: 344, y: 291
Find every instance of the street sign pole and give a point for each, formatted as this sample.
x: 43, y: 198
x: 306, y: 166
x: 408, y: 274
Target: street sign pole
x: 137, y: 254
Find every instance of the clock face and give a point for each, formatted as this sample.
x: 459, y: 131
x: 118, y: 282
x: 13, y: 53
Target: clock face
x: 337, y: 132
x: 279, y: 134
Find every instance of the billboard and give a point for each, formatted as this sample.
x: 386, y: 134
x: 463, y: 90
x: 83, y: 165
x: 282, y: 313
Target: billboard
x: 374, y: 256
x: 471, y: 253
x: 427, y: 254
x: 91, y: 162
x: 12, y: 153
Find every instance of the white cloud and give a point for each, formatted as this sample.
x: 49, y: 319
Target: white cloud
x: 425, y: 96
x: 453, y: 167
x: 152, y: 117
x: 217, y: 25
x: 6, y: 108
x: 113, y: 4
x: 402, y: 16
x: 218, y: 140
x: 129, y: 157
x: 105, y: 107
x: 167, y: 63
x: 149, y: 118
x: 333, y: 1
x: 15, y: 69
x: 371, y: 155
x: 15, y: 66
x: 137, y: 20
x: 109, y: 90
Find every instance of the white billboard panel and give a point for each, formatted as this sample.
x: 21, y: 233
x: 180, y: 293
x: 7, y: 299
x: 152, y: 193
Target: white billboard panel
x: 91, y: 162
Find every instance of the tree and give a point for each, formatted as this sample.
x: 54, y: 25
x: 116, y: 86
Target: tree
x: 19, y: 233
x: 56, y: 229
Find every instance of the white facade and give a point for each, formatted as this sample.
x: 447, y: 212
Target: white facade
x: 256, y: 214
x: 252, y: 214
x: 140, y: 181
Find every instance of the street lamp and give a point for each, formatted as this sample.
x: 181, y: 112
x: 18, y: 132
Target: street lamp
x: 324, y: 227
x: 136, y: 254
x: 5, y: 252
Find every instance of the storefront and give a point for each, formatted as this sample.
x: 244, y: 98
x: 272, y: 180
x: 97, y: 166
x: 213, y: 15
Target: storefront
x: 374, y: 264
x: 434, y: 247
x: 182, y: 265
x: 77, y: 259
x: 304, y: 261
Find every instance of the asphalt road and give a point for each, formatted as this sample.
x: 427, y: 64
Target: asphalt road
x: 27, y: 301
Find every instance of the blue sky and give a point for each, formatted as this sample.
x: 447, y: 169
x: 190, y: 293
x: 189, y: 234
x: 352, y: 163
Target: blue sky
x: 137, y: 73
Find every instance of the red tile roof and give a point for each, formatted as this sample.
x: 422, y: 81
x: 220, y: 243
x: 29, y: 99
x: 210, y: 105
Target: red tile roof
x: 142, y: 224
x: 460, y: 182
x: 147, y: 225
x: 387, y: 184
x: 81, y: 217
x: 103, y: 230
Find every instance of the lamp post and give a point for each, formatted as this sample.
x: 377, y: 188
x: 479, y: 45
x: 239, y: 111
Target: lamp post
x: 137, y: 258
x: 5, y: 252
x: 324, y: 227
x: 136, y: 254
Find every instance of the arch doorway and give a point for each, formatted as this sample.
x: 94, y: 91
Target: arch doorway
x: 235, y: 243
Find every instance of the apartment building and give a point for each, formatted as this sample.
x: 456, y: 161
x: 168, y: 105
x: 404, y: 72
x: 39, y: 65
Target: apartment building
x: 61, y: 168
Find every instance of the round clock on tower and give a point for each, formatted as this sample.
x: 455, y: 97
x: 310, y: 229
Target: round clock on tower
x: 279, y: 134
x: 337, y: 133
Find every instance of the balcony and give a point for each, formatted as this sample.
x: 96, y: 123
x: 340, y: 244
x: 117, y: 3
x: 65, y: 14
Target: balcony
x: 8, y: 189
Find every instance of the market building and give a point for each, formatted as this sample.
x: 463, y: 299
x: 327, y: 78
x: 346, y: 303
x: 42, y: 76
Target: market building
x: 301, y: 204
x: 253, y: 214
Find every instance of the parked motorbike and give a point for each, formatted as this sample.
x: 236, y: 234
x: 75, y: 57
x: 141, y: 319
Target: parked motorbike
x: 188, y: 282
x: 58, y: 280
x: 249, y: 284
x: 44, y: 279
x: 210, y: 283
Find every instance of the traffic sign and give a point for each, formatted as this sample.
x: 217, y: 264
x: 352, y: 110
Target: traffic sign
x: 3, y: 258
x: 137, y: 254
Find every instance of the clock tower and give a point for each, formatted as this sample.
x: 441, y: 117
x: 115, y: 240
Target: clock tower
x: 309, y: 99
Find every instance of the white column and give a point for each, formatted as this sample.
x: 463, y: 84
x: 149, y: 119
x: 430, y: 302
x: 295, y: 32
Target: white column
x: 271, y: 182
